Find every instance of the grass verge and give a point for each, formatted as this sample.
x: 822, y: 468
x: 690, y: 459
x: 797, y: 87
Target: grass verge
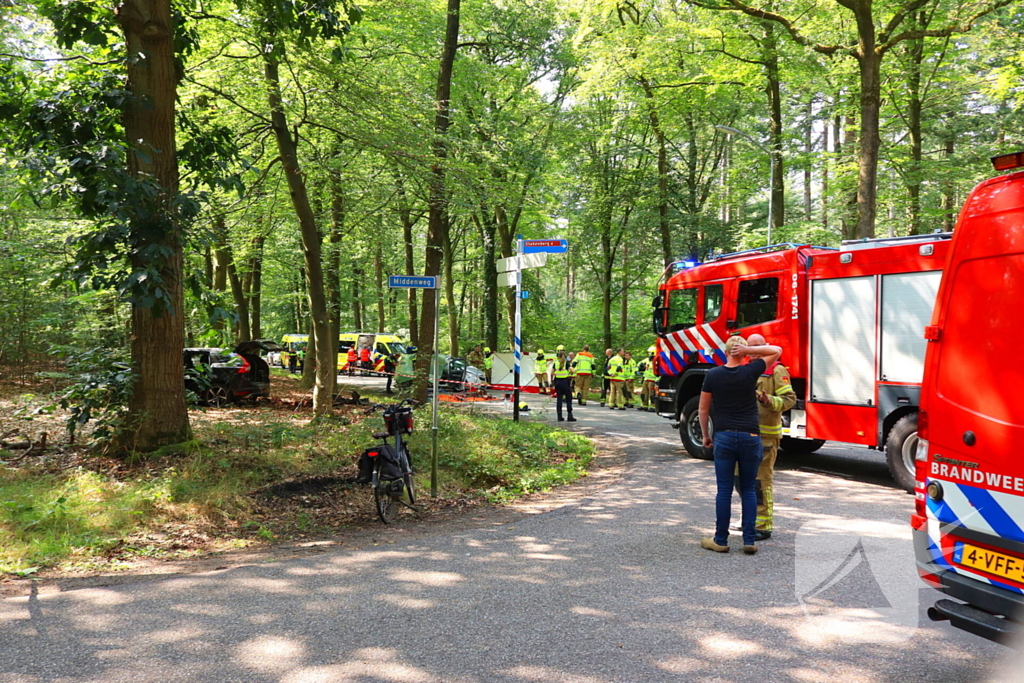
x: 223, y: 489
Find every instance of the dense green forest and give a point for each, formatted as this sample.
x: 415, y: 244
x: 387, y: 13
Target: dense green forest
x: 197, y: 172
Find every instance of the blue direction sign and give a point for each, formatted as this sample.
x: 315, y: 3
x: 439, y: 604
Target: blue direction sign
x: 549, y: 246
x: 412, y: 281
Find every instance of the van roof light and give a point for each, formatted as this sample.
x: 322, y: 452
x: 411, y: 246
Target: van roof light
x: 1007, y: 162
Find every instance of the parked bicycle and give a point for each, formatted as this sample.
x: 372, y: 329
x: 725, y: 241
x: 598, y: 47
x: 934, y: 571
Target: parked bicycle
x: 388, y: 468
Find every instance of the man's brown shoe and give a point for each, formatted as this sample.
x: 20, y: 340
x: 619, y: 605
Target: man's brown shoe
x: 709, y: 544
x: 750, y: 549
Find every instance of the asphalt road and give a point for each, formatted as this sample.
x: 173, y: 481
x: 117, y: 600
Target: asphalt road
x: 613, y: 587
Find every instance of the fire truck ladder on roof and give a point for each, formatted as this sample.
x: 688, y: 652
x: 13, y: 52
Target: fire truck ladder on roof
x: 764, y: 250
x: 870, y: 242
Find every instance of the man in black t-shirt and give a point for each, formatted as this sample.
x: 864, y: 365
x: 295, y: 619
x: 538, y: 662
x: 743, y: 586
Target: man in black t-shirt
x: 728, y: 400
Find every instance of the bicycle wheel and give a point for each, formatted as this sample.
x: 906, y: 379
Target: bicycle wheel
x: 407, y: 478
x: 387, y: 506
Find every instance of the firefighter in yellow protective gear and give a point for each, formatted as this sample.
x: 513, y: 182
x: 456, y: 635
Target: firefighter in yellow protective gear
x: 488, y: 363
x: 775, y: 396
x: 584, y: 373
x: 540, y: 370
x: 615, y: 371
x: 629, y: 383
x: 649, y: 368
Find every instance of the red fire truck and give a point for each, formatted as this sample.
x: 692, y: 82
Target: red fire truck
x: 969, y: 518
x: 849, y: 321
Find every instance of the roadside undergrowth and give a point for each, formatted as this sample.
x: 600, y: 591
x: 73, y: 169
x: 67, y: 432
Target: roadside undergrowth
x: 259, y: 474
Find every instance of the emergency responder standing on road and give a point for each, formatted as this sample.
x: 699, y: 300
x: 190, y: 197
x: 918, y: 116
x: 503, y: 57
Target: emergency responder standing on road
x: 364, y: 361
x: 560, y: 372
x: 488, y: 363
x: 584, y: 372
x: 351, y: 358
x: 293, y: 361
x: 476, y: 358
x: 629, y: 382
x: 607, y: 380
x: 616, y: 380
x: 540, y: 370
x: 775, y: 396
x: 649, y: 368
x: 390, y: 367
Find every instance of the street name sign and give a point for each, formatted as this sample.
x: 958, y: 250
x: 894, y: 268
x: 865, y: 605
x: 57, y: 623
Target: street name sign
x: 529, y: 261
x: 508, y: 279
x: 557, y: 246
x: 412, y: 281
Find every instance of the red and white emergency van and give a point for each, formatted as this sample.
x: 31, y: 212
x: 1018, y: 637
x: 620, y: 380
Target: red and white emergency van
x: 969, y: 518
x: 849, y: 322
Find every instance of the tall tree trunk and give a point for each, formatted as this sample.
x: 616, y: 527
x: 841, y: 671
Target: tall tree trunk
x: 326, y: 358
x: 949, y: 207
x: 437, y: 225
x: 226, y: 261
x: 870, y: 62
x: 490, y: 300
x: 357, y: 297
x: 157, y: 412
x: 256, y: 287
x: 334, y: 255
x: 378, y: 276
x: 624, y: 309
x: 664, y: 230
x: 775, y: 126
x: 405, y: 214
x: 449, y: 294
x: 809, y: 153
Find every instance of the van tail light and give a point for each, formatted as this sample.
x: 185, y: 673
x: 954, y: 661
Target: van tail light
x: 921, y: 467
x: 246, y: 367
x: 922, y: 427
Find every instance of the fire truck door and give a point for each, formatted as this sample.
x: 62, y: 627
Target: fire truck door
x: 841, y: 401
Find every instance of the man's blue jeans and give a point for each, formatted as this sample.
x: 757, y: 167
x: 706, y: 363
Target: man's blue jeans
x: 744, y: 450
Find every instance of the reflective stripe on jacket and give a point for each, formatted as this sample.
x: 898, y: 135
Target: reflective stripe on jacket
x: 777, y: 384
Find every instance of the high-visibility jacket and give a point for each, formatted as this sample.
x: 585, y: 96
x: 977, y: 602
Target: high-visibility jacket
x: 649, y: 366
x: 364, y: 354
x: 777, y: 384
x: 584, y: 363
x: 629, y: 369
x: 561, y: 368
x: 540, y: 364
x: 488, y: 361
x: 615, y: 368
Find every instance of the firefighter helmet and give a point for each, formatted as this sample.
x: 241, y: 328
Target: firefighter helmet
x: 561, y: 347
x: 652, y: 350
x: 540, y: 351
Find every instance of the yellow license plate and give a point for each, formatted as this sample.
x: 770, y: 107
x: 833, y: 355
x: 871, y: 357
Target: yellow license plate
x: 989, y: 561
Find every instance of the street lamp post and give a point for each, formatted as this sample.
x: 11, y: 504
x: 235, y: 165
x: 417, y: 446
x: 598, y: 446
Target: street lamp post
x: 771, y: 169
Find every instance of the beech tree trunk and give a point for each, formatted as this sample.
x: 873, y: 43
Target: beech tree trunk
x: 437, y: 225
x: 326, y: 357
x: 158, y: 415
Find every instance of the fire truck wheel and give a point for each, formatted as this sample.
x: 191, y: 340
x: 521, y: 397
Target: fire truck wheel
x: 800, y: 446
x: 901, y: 450
x: 689, y: 431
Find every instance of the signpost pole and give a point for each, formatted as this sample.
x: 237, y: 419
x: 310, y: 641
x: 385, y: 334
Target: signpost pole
x: 517, y: 333
x: 437, y: 369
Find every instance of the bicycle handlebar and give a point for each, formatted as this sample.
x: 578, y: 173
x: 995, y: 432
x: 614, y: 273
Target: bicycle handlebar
x: 381, y: 406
